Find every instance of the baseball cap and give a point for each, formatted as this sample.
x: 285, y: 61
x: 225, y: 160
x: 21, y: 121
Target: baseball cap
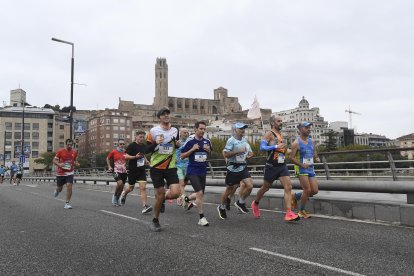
x: 162, y: 111
x: 240, y: 125
x: 304, y: 124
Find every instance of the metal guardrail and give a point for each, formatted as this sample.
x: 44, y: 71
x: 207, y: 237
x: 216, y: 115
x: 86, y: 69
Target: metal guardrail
x: 392, y: 179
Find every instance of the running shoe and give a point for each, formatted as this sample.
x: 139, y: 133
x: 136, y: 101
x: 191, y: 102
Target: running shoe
x: 155, y: 226
x: 180, y: 200
x: 190, y: 205
x: 122, y: 199
x: 222, y: 212
x: 203, y: 222
x: 162, y: 210
x: 115, y: 201
x: 67, y: 206
x: 146, y: 209
x: 55, y: 193
x: 304, y: 214
x: 255, y: 209
x: 241, y: 206
x: 291, y: 216
x: 228, y: 202
x: 294, y: 202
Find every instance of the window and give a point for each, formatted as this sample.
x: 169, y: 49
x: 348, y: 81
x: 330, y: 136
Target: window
x: 61, y: 136
x: 116, y: 135
x: 115, y: 121
x: 35, y: 135
x: 122, y: 121
x: 27, y: 126
x: 26, y: 135
x: 122, y: 128
x: 17, y: 126
x: 61, y: 144
x: 17, y: 135
x: 108, y: 135
x: 35, y: 154
x: 49, y: 134
x: 35, y: 145
x: 115, y: 127
x: 35, y: 126
x: 60, y: 127
x: 8, y: 126
x: 49, y: 125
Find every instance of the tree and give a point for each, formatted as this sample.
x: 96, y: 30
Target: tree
x: 46, y: 159
x: 66, y: 109
x: 330, y: 143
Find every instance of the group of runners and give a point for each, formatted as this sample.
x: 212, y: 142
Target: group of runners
x: 16, y: 173
x: 177, y: 158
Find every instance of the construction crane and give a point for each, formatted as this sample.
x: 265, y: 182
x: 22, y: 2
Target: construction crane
x: 350, y: 112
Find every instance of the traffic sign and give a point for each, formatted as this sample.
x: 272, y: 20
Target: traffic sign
x: 22, y: 159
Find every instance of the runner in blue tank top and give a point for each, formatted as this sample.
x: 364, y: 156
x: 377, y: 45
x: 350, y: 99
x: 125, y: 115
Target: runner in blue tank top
x: 305, y: 148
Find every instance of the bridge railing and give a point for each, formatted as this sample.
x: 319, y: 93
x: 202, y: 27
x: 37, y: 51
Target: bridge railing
x: 381, y: 176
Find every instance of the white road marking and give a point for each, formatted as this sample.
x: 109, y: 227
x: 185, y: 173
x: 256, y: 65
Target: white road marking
x: 306, y: 262
x: 128, y: 217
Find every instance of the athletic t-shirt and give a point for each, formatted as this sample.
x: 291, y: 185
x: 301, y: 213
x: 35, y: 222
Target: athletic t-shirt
x: 119, y: 160
x: 197, y: 164
x: 164, y: 155
x: 68, y: 159
x: 237, y: 163
x: 135, y: 164
x: 276, y: 157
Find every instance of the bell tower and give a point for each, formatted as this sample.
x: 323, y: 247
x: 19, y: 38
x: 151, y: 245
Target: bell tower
x: 161, y: 83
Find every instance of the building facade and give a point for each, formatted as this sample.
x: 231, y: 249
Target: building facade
x: 406, y: 141
x: 292, y: 117
x: 31, y: 126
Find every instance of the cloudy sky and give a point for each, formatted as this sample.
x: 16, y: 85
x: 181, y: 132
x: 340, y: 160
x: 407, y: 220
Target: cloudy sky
x: 335, y: 53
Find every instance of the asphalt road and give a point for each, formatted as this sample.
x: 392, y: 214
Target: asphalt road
x: 39, y: 237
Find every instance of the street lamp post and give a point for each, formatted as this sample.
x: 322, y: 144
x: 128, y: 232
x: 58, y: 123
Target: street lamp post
x: 71, y: 82
x: 22, y: 149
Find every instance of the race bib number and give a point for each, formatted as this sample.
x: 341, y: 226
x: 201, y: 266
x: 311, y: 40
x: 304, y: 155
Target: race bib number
x: 308, y: 161
x: 141, y: 162
x: 165, y: 149
x: 67, y: 166
x: 281, y: 158
x: 200, y: 157
x: 241, y: 157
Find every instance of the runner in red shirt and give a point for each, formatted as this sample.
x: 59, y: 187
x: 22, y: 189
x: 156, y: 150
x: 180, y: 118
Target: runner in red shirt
x: 118, y: 169
x: 65, y: 160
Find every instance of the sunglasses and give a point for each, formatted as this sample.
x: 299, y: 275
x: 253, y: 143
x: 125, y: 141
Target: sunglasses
x: 121, y: 144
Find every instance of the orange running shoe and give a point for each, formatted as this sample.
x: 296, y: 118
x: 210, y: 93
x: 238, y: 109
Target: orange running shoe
x: 291, y: 216
x: 255, y: 209
x: 304, y: 214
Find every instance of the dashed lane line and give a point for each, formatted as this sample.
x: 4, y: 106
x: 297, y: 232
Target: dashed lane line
x: 331, y: 268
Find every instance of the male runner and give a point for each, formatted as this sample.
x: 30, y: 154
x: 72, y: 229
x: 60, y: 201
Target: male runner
x: 119, y: 171
x: 13, y: 170
x: 136, y: 170
x: 65, y: 160
x: 19, y: 174
x: 236, y: 151
x: 181, y: 165
x: 197, y: 149
x: 305, y: 147
x: 2, y: 173
x: 163, y: 140
x: 275, y: 168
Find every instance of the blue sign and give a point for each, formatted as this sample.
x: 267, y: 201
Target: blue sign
x: 22, y: 159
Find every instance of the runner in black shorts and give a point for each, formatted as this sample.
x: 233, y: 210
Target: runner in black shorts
x: 163, y: 140
x: 275, y: 168
x: 137, y: 163
x: 237, y: 150
x: 196, y: 150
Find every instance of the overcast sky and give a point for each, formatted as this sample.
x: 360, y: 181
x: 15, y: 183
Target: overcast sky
x: 335, y: 53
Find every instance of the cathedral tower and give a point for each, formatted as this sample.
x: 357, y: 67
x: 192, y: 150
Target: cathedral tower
x: 161, y: 83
